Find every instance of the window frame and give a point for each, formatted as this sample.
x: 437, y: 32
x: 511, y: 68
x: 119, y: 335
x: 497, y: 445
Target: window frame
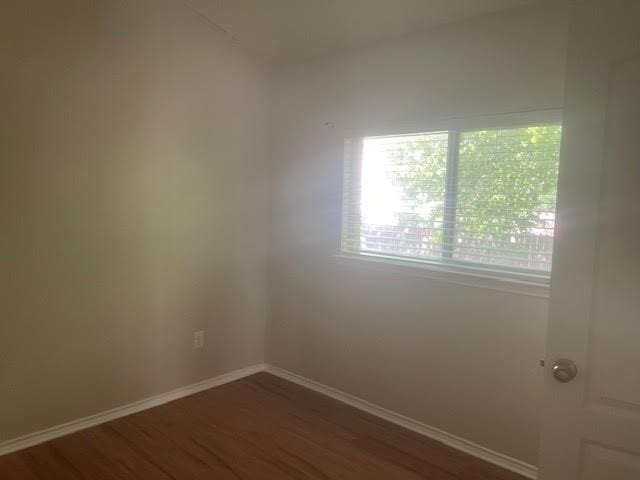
x: 445, y: 264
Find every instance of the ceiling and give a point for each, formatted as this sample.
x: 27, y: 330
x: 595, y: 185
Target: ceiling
x: 283, y: 31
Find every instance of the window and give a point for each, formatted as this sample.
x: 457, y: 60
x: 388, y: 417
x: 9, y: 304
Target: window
x: 473, y: 200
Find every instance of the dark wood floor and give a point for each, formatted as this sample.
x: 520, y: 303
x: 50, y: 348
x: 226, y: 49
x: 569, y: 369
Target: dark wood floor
x: 260, y: 427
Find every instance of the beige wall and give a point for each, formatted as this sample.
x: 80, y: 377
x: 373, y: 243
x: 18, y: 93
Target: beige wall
x: 132, y: 193
x: 133, y: 206
x: 460, y: 358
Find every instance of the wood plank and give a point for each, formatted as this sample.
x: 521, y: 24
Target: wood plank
x: 259, y: 428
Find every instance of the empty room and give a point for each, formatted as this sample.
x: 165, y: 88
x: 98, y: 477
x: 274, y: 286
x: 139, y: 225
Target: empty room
x: 319, y: 239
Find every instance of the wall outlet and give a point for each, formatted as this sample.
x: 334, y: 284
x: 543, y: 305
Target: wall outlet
x: 198, y: 339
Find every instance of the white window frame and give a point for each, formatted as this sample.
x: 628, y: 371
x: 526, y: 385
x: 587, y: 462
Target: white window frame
x: 444, y: 267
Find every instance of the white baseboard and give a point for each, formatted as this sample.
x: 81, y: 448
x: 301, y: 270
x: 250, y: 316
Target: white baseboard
x: 454, y: 441
x: 458, y: 443
x: 150, y: 402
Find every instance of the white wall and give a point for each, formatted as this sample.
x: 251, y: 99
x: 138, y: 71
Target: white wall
x: 460, y: 358
x: 132, y: 206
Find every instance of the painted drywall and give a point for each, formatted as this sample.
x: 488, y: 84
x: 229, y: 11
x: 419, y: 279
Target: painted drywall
x: 132, y: 206
x: 460, y: 358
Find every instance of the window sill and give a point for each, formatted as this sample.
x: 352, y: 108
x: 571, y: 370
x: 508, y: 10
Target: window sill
x: 447, y: 274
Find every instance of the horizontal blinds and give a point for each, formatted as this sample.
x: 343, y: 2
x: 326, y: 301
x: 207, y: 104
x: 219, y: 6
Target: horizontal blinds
x: 395, y: 205
x: 482, y: 197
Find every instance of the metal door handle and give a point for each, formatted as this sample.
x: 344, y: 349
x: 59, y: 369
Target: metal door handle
x: 564, y: 370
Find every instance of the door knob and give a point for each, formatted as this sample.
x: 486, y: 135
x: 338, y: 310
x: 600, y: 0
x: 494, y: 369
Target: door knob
x: 564, y: 370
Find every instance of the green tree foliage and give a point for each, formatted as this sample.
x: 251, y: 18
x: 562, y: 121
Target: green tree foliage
x: 507, y: 179
x: 506, y: 186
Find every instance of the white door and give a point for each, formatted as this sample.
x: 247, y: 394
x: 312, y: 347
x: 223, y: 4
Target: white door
x: 591, y: 424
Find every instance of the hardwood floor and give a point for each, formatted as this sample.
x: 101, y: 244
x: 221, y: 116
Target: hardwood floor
x: 260, y: 427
